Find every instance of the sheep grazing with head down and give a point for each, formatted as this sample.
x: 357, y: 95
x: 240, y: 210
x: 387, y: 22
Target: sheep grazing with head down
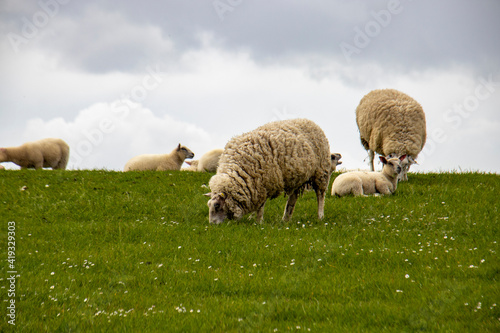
x: 45, y: 153
x: 159, y: 162
x: 281, y: 156
x: 207, y: 163
x: 362, y: 183
x: 391, y: 124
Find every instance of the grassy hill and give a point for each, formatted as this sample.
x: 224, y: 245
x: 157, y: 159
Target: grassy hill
x: 112, y: 251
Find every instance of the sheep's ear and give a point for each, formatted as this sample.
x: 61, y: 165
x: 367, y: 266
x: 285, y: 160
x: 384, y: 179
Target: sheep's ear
x: 179, y: 147
x: 188, y: 162
x: 401, y: 158
x: 209, y: 194
x: 383, y: 160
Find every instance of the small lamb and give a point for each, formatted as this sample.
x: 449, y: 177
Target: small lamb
x: 44, y: 153
x: 370, y: 182
x: 159, y: 162
x: 207, y: 163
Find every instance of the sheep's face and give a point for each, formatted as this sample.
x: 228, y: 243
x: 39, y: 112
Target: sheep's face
x: 218, y: 208
x: 393, y: 166
x: 185, y: 151
x: 335, y: 157
x: 406, y: 162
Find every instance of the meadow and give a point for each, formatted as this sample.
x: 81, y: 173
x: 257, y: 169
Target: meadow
x: 110, y: 251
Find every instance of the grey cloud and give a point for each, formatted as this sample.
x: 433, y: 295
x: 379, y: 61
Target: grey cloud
x: 415, y: 36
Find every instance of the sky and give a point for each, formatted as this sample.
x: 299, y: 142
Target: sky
x: 116, y: 79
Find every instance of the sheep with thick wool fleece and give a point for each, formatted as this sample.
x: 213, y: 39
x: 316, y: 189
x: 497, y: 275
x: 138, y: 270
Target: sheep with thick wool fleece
x: 362, y: 183
x: 391, y: 124
x: 45, y: 153
x: 207, y: 163
x: 159, y: 162
x: 281, y: 156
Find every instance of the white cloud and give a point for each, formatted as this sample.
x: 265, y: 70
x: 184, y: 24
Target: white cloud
x: 106, y: 135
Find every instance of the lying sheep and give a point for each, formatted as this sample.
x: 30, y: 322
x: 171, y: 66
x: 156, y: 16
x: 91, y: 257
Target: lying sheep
x: 159, y: 162
x: 207, y: 163
x: 391, y: 124
x: 281, y: 156
x: 44, y: 153
x: 370, y: 182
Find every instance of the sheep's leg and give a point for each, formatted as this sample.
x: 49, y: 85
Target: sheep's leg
x: 260, y: 213
x: 290, y: 205
x: 320, y: 196
x: 371, y: 155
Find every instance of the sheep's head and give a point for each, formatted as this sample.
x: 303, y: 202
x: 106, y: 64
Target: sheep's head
x: 392, y: 166
x: 406, y: 162
x: 335, y: 157
x: 184, y: 152
x: 218, y: 208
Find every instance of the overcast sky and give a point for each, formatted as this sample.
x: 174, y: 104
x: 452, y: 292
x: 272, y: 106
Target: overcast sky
x: 116, y: 79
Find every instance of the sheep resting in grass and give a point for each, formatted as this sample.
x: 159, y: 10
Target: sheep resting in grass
x: 391, y: 124
x: 362, y: 183
x: 207, y: 163
x: 159, y: 162
x: 45, y: 153
x: 281, y: 156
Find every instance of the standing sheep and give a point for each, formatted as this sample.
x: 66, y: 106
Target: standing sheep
x: 391, y: 124
x: 370, y: 182
x: 159, y: 162
x: 207, y: 163
x: 44, y: 153
x: 281, y: 156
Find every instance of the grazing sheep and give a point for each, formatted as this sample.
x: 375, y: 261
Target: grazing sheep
x: 391, y: 124
x: 369, y: 182
x: 281, y: 156
x: 159, y: 162
x: 208, y: 162
x: 44, y: 153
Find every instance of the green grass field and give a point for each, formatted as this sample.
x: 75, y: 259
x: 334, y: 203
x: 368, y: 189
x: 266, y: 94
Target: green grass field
x: 113, y: 251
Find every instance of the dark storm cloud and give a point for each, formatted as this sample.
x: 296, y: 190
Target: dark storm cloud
x: 403, y: 34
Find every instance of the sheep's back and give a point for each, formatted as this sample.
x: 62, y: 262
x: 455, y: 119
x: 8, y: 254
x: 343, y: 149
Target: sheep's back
x: 278, y: 156
x: 390, y: 121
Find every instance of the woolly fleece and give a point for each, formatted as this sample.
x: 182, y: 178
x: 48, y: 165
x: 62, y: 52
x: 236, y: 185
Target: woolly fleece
x: 277, y: 157
x: 391, y: 122
x: 45, y: 153
x: 159, y: 162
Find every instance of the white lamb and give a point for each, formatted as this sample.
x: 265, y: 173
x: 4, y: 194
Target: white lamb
x: 44, y: 153
x: 207, y: 163
x: 159, y: 162
x: 362, y: 183
x: 281, y: 156
x: 391, y: 124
